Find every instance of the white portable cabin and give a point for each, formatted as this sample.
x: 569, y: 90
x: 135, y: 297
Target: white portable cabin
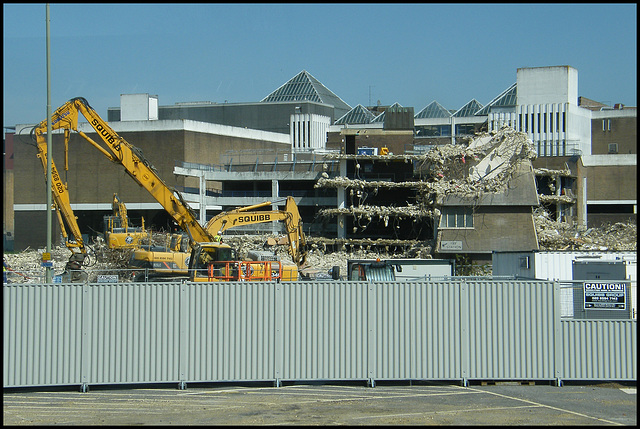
x: 558, y: 266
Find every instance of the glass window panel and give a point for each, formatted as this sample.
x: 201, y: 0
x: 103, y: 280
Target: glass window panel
x: 451, y: 220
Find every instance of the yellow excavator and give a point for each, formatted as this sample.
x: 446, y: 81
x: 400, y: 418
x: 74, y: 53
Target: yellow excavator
x: 118, y: 233
x: 177, y: 260
x: 73, y: 240
x: 201, y: 239
x: 202, y: 269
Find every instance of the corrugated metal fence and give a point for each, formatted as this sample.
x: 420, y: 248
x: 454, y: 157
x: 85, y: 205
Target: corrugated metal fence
x: 129, y: 333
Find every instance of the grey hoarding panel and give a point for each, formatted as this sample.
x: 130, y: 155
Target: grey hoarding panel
x: 599, y: 349
x: 416, y: 330
x: 42, y: 336
x: 229, y: 331
x: 65, y: 334
x: 131, y: 333
x: 324, y: 330
x: 511, y: 330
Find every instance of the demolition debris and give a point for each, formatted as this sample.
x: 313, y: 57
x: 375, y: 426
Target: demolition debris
x: 482, y: 166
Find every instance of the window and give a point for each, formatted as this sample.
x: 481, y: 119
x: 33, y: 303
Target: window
x: 456, y: 217
x: 613, y: 147
x: 465, y: 129
x: 433, y: 131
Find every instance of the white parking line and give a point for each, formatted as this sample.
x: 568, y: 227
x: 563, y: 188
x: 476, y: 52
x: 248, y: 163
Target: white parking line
x: 458, y: 410
x: 550, y: 407
x: 629, y: 390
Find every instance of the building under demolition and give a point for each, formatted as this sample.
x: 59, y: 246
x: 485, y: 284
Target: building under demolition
x: 451, y: 182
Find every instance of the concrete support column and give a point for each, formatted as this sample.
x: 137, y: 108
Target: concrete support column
x: 559, y: 193
x: 203, y: 196
x: 341, y: 191
x: 583, y: 220
x: 275, y: 191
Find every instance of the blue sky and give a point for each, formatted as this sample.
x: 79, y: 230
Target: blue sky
x: 412, y: 54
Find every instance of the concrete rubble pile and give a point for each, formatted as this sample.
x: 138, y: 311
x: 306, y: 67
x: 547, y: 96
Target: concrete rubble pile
x: 26, y: 266
x: 484, y: 164
x: 554, y: 235
x: 323, y: 254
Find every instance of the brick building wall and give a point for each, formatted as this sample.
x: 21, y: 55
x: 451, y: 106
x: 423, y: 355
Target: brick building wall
x: 622, y: 131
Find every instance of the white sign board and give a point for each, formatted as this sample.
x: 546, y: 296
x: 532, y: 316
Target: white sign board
x: 451, y: 245
x: 605, y: 295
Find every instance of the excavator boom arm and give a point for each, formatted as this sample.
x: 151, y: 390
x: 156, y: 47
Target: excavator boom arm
x: 60, y: 193
x: 244, y: 216
x: 119, y: 151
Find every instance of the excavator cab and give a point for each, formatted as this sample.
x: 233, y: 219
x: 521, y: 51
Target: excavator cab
x: 213, y: 262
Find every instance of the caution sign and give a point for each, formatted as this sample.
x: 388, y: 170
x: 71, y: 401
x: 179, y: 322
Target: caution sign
x: 605, y: 295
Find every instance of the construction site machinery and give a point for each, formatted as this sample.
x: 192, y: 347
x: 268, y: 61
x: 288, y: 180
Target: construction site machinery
x: 214, y: 256
x: 119, y: 151
x: 80, y: 251
x: 173, y: 261
x: 118, y: 234
x: 249, y: 215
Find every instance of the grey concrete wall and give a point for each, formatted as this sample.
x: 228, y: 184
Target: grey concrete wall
x: 490, y: 231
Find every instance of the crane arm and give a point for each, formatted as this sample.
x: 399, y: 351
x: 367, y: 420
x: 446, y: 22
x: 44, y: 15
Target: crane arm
x: 290, y: 216
x: 60, y: 193
x: 119, y: 151
x: 120, y: 210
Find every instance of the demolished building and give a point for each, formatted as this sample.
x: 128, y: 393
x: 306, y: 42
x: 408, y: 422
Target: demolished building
x: 468, y: 198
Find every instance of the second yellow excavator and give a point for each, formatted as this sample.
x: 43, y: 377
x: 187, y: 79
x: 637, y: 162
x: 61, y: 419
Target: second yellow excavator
x: 118, y: 233
x: 213, y: 261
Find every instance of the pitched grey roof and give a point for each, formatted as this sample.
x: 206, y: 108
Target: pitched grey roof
x: 507, y: 98
x: 433, y: 110
x: 468, y: 109
x: 380, y: 117
x: 304, y: 87
x: 357, y: 115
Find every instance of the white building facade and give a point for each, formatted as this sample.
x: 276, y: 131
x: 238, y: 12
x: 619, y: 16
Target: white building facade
x: 547, y: 110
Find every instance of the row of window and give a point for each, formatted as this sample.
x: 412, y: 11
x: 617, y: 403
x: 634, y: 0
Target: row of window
x: 443, y: 130
x: 456, y: 217
x: 545, y: 122
x: 552, y: 148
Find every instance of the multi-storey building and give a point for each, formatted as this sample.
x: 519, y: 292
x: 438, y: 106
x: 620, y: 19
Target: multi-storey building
x: 234, y: 154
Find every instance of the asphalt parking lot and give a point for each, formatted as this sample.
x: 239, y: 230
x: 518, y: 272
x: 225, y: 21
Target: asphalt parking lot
x: 328, y: 404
